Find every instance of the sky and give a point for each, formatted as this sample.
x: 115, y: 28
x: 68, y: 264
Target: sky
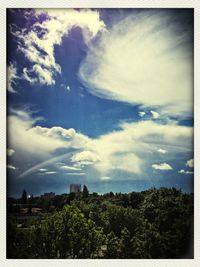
x: 102, y: 97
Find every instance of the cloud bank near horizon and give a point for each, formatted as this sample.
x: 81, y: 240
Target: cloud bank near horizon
x: 131, y: 149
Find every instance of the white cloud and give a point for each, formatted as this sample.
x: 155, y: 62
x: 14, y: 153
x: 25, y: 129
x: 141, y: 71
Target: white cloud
x: 127, y: 149
x: 11, y: 77
x: 142, y: 60
x: 105, y: 178
x: 42, y: 170
x: 165, y: 134
x: 130, y: 148
x: 85, y: 158
x: 141, y: 113
x: 11, y: 167
x: 185, y: 172
x: 155, y: 114
x: 190, y: 163
x: 10, y: 152
x: 43, y: 75
x: 27, y: 76
x: 38, y: 44
x: 40, y: 143
x: 52, y: 172
x: 70, y: 168
x: 32, y: 142
x: 38, y: 140
x: 162, y: 166
x: 61, y: 137
x: 162, y: 151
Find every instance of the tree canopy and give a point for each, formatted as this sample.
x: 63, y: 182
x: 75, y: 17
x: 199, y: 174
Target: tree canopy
x: 157, y: 224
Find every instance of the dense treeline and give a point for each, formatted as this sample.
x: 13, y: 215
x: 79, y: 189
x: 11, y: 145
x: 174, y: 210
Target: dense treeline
x: 157, y: 223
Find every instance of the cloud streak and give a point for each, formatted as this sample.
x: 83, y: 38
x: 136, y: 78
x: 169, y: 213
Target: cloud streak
x: 11, y: 167
x: 69, y: 168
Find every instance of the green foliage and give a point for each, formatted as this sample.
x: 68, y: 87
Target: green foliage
x: 113, y: 244
x: 18, y: 241
x: 136, y: 199
x: 71, y: 197
x: 126, y: 244
x: 151, y: 224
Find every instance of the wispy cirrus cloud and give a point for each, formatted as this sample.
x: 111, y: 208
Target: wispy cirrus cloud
x: 143, y: 59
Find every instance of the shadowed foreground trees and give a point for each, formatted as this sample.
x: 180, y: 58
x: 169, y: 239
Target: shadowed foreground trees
x: 150, y: 224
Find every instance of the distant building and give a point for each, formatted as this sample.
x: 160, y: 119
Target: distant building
x: 75, y: 188
x: 48, y: 195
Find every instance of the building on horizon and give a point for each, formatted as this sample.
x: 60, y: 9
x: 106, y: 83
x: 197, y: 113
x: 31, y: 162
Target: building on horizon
x: 75, y: 188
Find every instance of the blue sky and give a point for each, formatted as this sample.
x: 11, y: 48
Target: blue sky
x: 99, y: 97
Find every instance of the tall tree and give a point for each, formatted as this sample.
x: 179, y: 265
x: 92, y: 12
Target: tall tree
x: 85, y: 192
x: 24, y: 197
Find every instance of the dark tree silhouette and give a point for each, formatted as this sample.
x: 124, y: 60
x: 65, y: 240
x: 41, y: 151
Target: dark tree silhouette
x: 24, y: 197
x: 85, y: 192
